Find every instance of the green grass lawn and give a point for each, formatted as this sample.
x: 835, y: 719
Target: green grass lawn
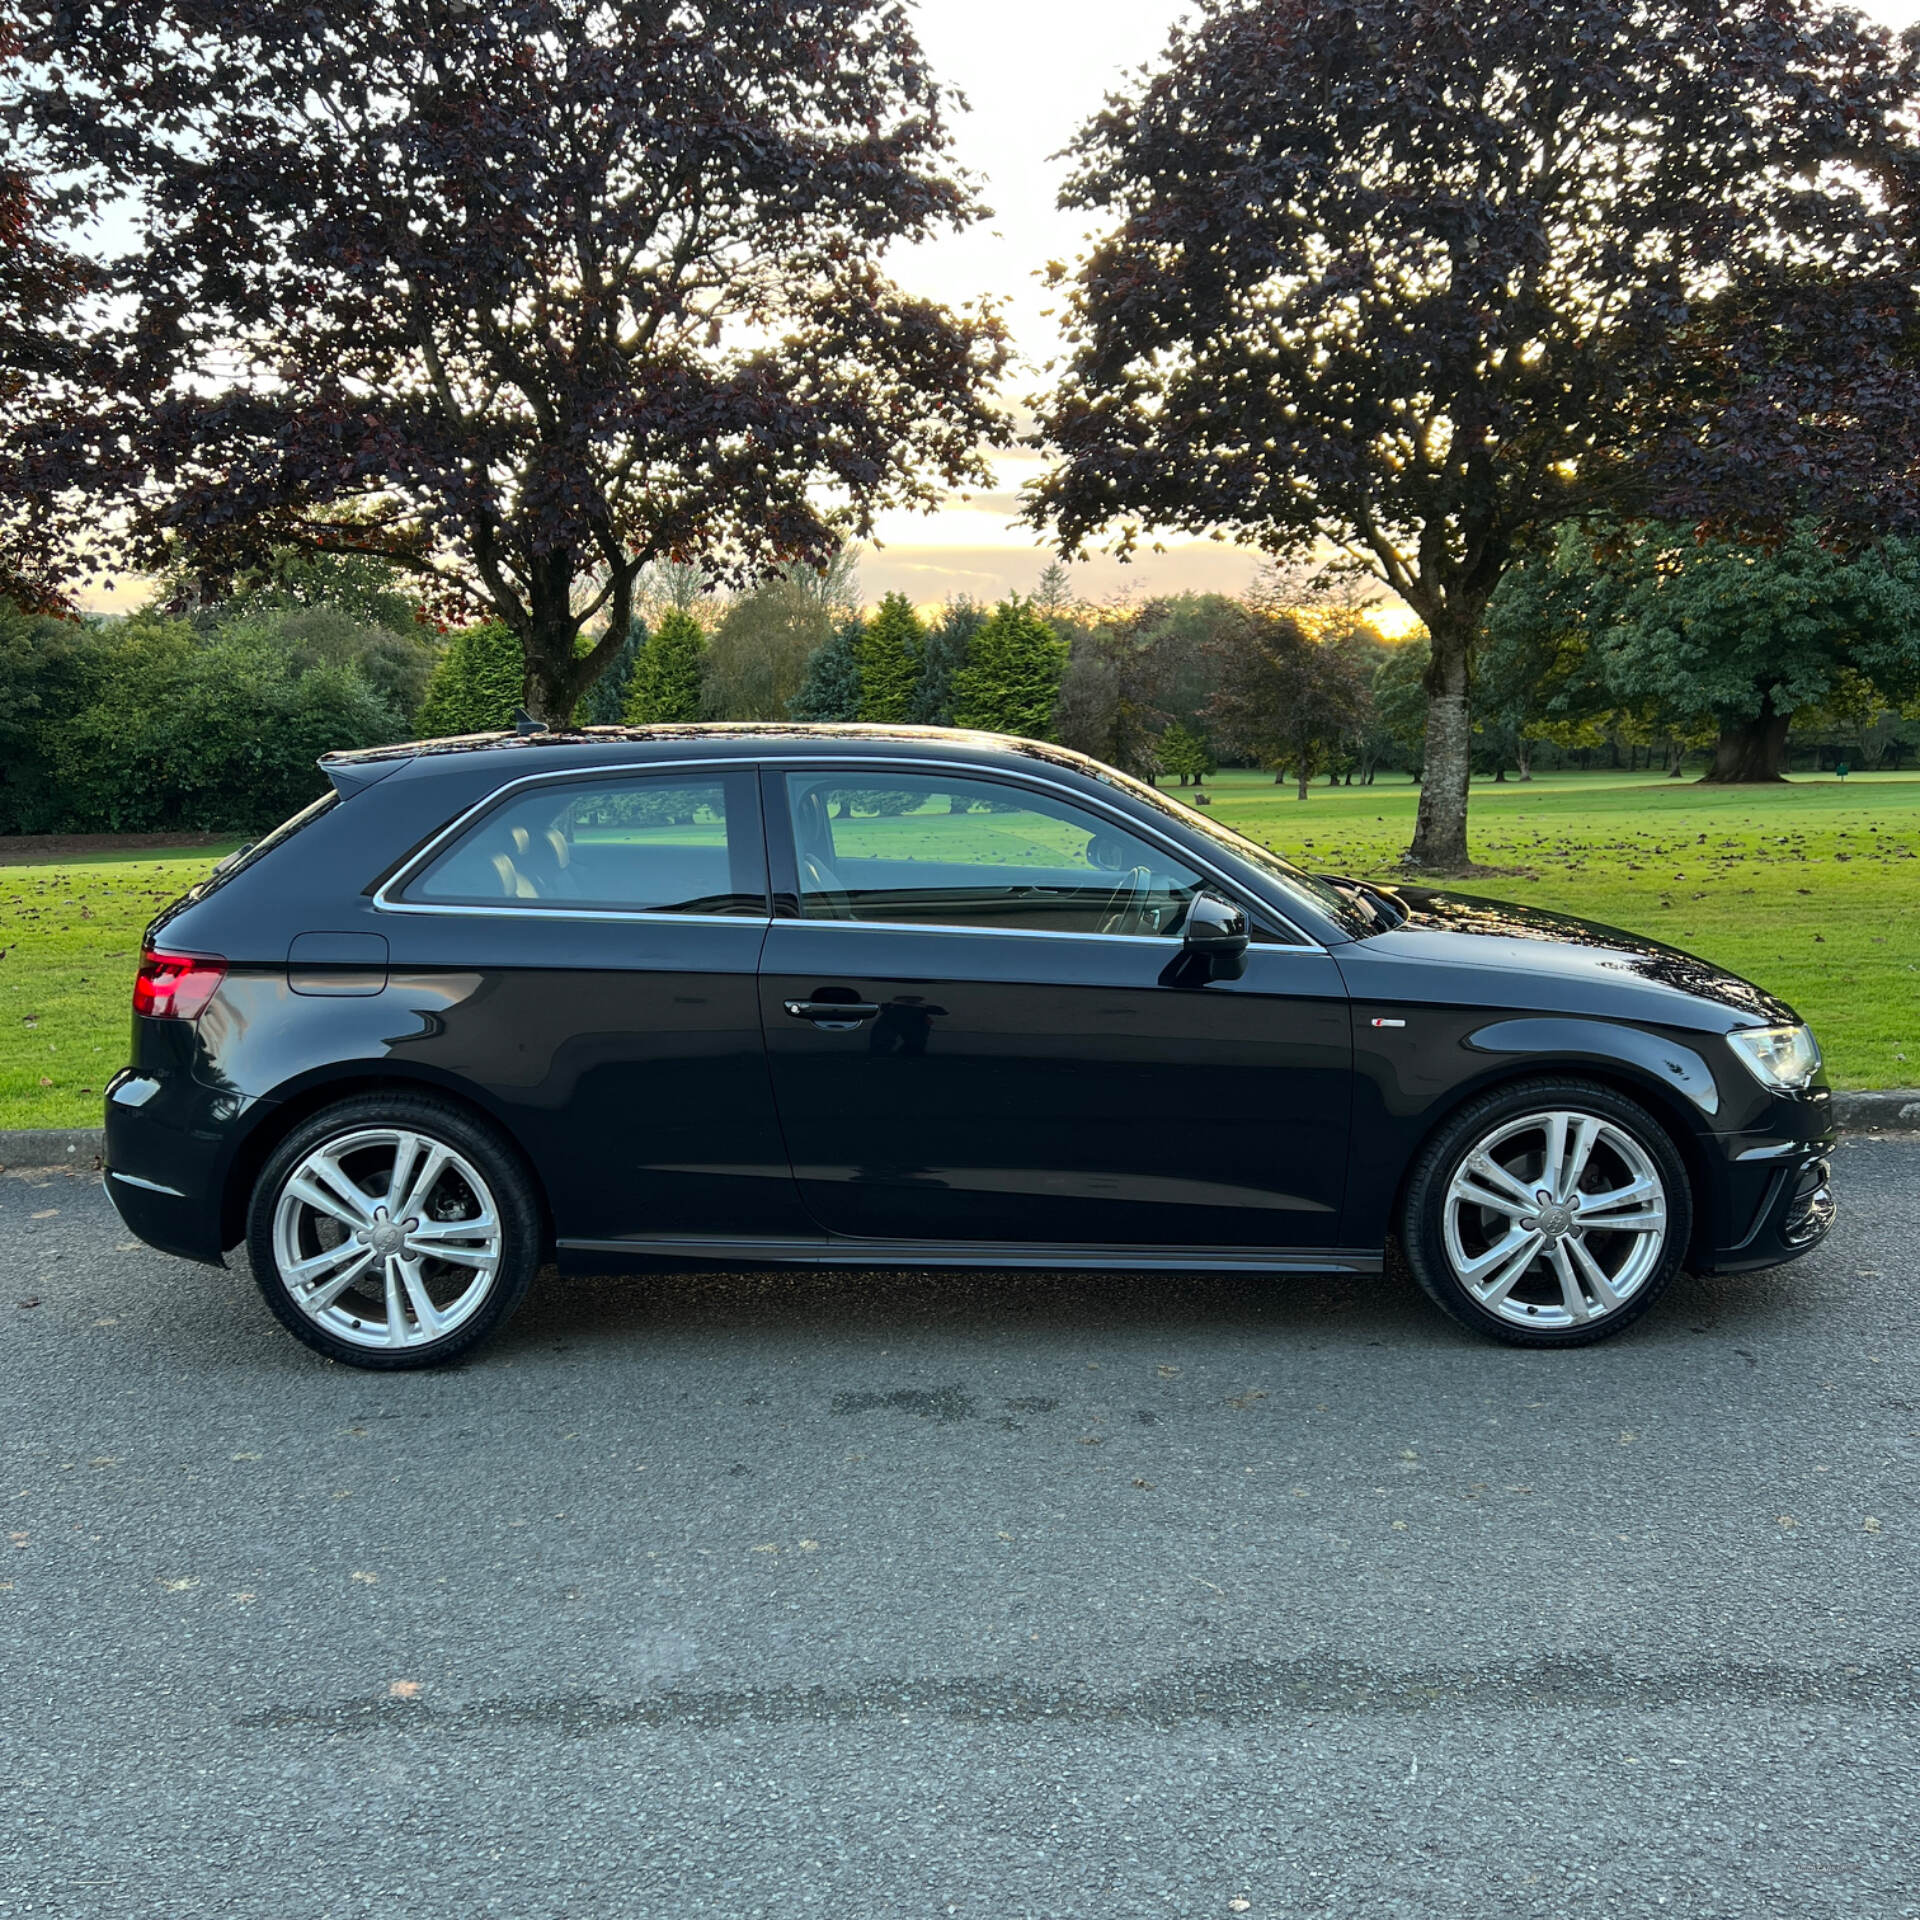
x: 1812, y: 889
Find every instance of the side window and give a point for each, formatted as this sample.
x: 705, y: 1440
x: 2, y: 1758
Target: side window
x: 641, y: 844
x: 940, y: 850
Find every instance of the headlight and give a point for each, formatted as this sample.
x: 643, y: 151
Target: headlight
x: 1783, y: 1059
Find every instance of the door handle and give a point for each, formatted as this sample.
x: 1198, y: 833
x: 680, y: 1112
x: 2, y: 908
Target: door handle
x: 835, y: 1015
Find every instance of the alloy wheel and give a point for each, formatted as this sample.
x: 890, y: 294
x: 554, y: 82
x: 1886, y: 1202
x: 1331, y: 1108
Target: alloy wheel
x: 1555, y: 1219
x: 385, y: 1237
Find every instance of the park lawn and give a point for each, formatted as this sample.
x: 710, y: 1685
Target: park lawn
x: 69, y: 943
x: 1812, y: 889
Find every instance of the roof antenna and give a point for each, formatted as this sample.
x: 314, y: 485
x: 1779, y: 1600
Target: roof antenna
x: 525, y: 725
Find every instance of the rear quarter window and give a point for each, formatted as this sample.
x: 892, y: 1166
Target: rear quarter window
x: 645, y: 844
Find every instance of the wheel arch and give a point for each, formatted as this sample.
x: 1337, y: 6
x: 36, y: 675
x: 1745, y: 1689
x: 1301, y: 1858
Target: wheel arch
x: 1677, y: 1118
x: 301, y: 1099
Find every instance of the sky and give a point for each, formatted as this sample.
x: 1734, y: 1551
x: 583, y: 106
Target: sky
x: 1032, y: 71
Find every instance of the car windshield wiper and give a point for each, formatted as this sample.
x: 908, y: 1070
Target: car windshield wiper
x: 1381, y: 909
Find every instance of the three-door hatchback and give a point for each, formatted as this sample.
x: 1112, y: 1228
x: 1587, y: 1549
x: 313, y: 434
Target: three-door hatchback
x: 853, y: 995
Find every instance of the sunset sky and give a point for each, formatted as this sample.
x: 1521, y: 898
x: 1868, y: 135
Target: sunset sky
x: 1032, y: 72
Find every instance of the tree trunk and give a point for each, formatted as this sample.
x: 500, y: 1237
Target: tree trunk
x: 1523, y: 752
x: 1440, y: 832
x: 1751, y: 750
x: 1306, y: 780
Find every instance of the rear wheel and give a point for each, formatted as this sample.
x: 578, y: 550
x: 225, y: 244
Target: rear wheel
x: 393, y: 1232
x: 1549, y: 1214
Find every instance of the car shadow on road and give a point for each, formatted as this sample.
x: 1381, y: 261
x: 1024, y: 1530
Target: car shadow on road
x: 1315, y: 1310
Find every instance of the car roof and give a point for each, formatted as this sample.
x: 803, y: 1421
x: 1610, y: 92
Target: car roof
x: 561, y: 749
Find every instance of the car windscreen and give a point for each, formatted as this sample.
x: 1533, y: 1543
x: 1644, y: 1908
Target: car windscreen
x: 1334, y: 901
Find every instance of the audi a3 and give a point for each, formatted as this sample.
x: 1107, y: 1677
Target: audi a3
x: 788, y: 995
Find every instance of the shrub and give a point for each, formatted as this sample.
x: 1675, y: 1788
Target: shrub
x: 206, y: 736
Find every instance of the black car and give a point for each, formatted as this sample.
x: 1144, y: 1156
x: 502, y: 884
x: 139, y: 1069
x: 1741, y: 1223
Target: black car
x: 863, y: 996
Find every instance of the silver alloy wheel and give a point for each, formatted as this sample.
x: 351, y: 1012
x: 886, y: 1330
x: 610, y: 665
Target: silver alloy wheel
x: 387, y: 1238
x: 1555, y: 1219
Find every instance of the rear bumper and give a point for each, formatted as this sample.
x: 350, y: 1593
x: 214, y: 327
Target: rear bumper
x: 169, y: 1144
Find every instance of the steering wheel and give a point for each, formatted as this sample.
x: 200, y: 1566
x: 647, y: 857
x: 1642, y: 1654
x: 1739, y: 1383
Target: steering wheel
x: 1129, y: 898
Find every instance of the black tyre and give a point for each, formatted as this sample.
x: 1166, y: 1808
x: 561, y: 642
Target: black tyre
x: 393, y: 1231
x: 1553, y: 1213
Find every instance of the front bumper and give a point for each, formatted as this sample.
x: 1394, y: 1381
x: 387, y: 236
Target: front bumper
x: 1773, y: 1198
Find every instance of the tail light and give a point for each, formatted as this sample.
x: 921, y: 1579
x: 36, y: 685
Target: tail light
x: 176, y: 986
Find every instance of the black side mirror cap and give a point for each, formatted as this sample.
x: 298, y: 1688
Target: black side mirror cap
x: 1213, y: 947
x: 1215, y: 927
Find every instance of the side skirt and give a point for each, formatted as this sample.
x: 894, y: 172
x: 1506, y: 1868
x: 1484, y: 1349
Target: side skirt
x: 590, y: 1256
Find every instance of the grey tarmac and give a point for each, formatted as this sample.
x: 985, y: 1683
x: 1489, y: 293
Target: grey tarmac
x: 992, y: 1595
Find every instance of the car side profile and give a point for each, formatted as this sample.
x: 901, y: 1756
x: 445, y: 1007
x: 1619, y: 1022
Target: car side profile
x: 867, y: 996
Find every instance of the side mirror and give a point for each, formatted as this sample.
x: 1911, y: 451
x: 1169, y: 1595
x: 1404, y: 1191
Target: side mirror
x: 1214, y: 946
x: 1215, y: 926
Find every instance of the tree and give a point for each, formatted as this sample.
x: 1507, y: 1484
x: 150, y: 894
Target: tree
x: 216, y: 733
x: 942, y: 656
x: 667, y: 688
x: 1424, y: 282
x: 1399, y: 695
x: 42, y: 284
x: 1287, y: 699
x: 1011, y: 679
x: 49, y: 668
x: 1113, y: 696
x: 1184, y: 752
x: 759, y: 653
x: 1053, y: 594
x: 605, y: 704
x: 544, y: 292
x: 1740, y: 638
x: 830, y: 689
x: 476, y: 684
x: 888, y: 652
x: 1535, y: 674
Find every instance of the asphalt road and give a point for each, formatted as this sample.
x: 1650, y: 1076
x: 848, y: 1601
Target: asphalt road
x: 1019, y: 1595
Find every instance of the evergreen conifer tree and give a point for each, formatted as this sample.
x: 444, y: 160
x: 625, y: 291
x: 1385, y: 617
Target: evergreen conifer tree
x: 941, y: 657
x: 476, y: 683
x: 1011, y: 679
x: 889, y: 650
x: 665, y: 689
x: 831, y: 687
x: 605, y: 704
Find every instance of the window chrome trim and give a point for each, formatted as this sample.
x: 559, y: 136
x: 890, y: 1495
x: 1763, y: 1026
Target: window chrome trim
x: 832, y: 763
x: 1236, y: 889
x: 665, y: 916
x: 408, y: 870
x: 1167, y: 943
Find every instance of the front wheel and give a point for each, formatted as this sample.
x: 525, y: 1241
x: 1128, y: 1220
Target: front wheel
x: 393, y: 1232
x: 1551, y: 1214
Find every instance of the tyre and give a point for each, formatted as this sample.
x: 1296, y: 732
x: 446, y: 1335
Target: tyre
x: 393, y: 1231
x: 1549, y: 1214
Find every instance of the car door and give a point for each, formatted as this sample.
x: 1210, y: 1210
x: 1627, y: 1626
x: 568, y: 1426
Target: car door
x: 583, y: 952
x: 976, y: 1031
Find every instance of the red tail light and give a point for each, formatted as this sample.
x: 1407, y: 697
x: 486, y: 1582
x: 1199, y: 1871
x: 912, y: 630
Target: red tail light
x: 175, y: 986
